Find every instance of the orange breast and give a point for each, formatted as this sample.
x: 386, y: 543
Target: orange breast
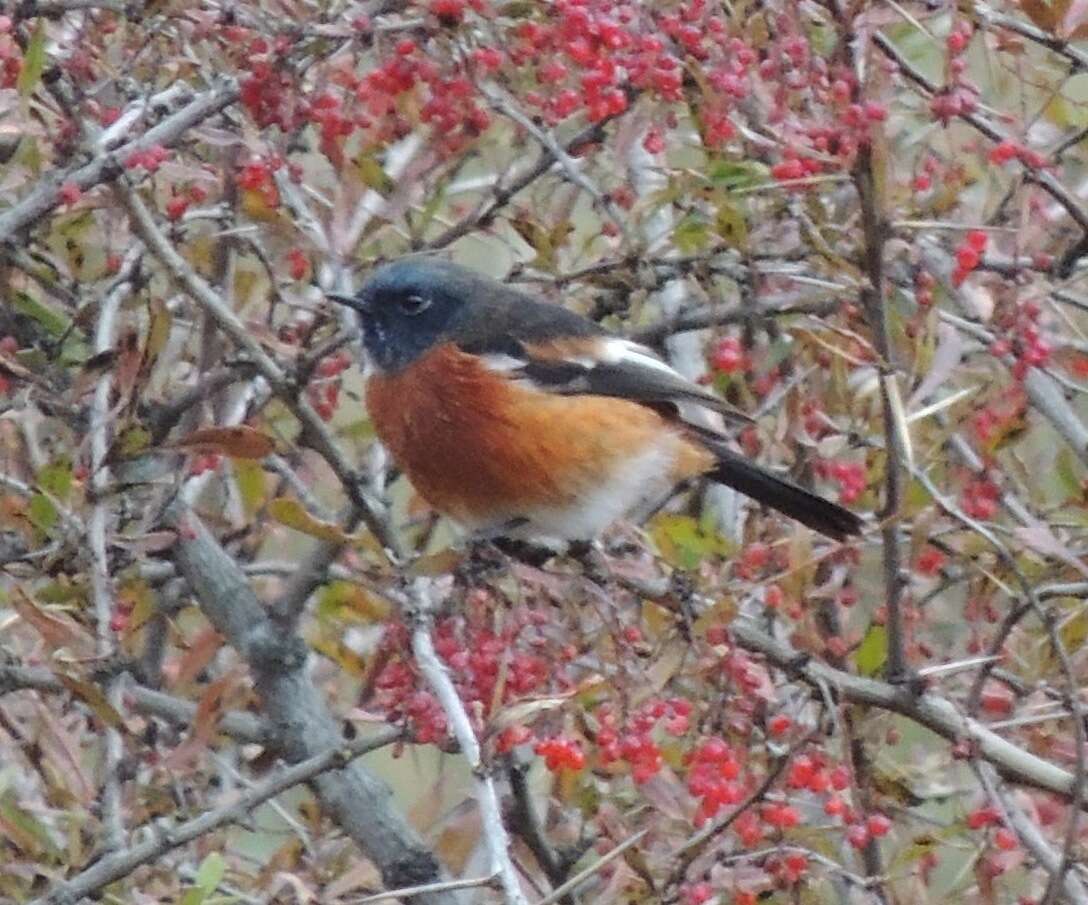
x: 483, y: 448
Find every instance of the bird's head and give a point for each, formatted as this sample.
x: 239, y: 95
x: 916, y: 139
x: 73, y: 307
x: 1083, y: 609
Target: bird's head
x: 409, y: 306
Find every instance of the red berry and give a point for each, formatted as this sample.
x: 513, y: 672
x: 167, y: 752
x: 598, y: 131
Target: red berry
x: 70, y: 192
x: 858, y: 835
x: 878, y: 825
x: 779, y: 725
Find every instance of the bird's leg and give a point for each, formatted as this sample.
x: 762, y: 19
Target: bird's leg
x: 590, y: 556
x: 481, y: 563
x: 523, y: 551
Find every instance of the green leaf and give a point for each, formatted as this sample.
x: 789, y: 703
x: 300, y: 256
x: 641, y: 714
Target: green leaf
x: 292, y: 514
x: 691, y: 235
x: 211, y: 871
x: 133, y: 441
x: 1066, y: 471
x: 158, y: 332
x: 372, y: 174
x: 250, y: 479
x: 42, y: 513
x: 54, y: 323
x: 731, y: 224
x: 33, y: 62
x: 56, y: 478
x: 684, y: 542
x: 23, y: 830
x: 736, y: 174
x: 872, y: 653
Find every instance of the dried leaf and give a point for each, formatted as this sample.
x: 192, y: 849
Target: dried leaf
x: 239, y: 441
x: 57, y: 631
x: 93, y: 696
x: 198, y: 656
x: 208, y: 712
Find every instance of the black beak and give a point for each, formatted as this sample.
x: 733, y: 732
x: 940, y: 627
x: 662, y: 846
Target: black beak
x: 350, y: 301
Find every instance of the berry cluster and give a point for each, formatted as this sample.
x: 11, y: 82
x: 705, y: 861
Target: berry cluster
x: 1022, y: 339
x: 479, y: 657
x: 851, y: 477
x: 959, y: 97
x: 634, y: 743
x: 969, y: 255
x: 980, y: 498
x: 11, y: 57
x: 324, y: 390
x: 713, y: 770
x: 1008, y: 150
x: 561, y: 753
x: 256, y: 176
x: 150, y: 158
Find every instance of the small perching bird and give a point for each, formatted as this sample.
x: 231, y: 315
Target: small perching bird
x: 519, y: 418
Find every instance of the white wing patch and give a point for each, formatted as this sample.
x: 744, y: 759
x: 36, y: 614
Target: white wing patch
x: 501, y: 362
x: 620, y: 351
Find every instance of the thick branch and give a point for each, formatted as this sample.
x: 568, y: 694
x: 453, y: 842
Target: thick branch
x: 929, y: 710
x: 301, y: 723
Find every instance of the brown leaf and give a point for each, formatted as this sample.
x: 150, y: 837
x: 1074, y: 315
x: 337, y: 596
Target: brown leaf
x: 197, y: 657
x: 208, y: 711
x: 1043, y: 14
x: 93, y: 696
x: 239, y: 442
x: 57, y: 631
x: 62, y: 748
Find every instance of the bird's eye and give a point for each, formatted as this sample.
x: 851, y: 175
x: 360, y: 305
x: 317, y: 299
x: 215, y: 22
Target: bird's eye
x: 414, y: 304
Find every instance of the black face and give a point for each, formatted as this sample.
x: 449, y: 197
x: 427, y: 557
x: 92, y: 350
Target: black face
x: 408, y: 306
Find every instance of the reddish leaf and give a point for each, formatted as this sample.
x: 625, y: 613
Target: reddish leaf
x: 240, y: 442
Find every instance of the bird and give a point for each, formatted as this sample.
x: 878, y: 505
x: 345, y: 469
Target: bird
x: 522, y: 419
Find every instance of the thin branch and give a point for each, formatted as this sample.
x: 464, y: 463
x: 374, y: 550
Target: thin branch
x: 716, y: 316
x: 98, y: 526
x: 875, y: 233
x: 106, y: 166
x: 1042, y: 178
x: 316, y: 431
x: 410, y: 892
x: 930, y: 710
x: 1033, y: 840
x: 420, y: 608
x: 164, y: 839
x: 502, y: 194
x: 579, y: 878
x: 241, y: 726
x: 506, y: 106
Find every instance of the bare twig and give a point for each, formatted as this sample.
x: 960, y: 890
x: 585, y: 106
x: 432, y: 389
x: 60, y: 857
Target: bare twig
x: 164, y: 839
x: 506, y: 106
x: 579, y: 878
x: 502, y: 194
x: 929, y: 710
x: 98, y: 526
x: 46, y: 194
x: 316, y: 431
x: 420, y: 608
x: 243, y: 727
x: 302, y: 724
x: 1033, y: 840
x: 410, y: 892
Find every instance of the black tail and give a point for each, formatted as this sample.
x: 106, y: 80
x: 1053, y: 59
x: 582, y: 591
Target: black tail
x: 809, y: 509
